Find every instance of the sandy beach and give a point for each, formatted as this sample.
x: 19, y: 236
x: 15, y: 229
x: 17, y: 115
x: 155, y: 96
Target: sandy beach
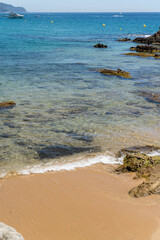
x: 90, y: 204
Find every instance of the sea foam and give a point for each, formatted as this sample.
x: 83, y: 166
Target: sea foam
x: 154, y: 153
x: 107, y: 158
x: 138, y: 35
x: 50, y: 167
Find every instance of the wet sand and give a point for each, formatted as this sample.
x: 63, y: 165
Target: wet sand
x: 85, y: 204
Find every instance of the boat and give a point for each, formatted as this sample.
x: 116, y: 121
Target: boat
x: 15, y: 16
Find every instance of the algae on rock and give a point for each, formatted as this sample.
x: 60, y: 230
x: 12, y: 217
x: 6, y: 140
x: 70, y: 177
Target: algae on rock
x: 145, y: 167
x: 9, y: 104
x: 117, y: 72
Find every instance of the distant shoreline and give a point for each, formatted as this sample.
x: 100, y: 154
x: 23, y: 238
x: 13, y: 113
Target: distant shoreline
x: 92, y: 12
x: 5, y: 8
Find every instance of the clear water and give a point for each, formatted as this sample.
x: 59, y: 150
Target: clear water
x: 64, y: 106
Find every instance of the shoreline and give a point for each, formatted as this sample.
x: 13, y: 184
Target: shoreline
x: 76, y: 161
x: 87, y: 203
x: 72, y: 162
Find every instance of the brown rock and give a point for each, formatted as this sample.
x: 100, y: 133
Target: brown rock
x: 117, y: 72
x: 124, y: 39
x: 157, y: 56
x: 133, y: 162
x: 100, y: 45
x: 154, y: 39
x: 145, y: 167
x: 9, y: 104
x: 145, y: 48
x: 143, y: 54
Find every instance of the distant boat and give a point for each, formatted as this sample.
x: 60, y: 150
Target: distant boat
x: 119, y: 15
x: 15, y: 16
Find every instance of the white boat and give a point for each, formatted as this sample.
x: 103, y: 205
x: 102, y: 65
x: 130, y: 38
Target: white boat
x: 15, y: 16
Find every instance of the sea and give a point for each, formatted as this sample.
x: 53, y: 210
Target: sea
x: 67, y: 114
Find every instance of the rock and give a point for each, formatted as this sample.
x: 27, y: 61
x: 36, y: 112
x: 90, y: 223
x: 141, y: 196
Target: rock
x: 145, y: 51
x: 9, y: 104
x: 117, y: 72
x: 154, y: 39
x: 136, y: 149
x: 142, y: 54
x: 150, y: 96
x: 124, y: 39
x: 157, y: 56
x: 145, y: 189
x: 9, y: 233
x: 145, y: 48
x: 133, y: 162
x: 145, y: 167
x: 100, y: 45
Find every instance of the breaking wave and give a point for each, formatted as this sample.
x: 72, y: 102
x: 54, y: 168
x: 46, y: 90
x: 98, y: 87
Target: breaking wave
x: 51, y: 167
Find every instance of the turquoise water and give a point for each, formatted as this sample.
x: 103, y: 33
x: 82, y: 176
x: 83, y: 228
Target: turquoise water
x: 66, y: 110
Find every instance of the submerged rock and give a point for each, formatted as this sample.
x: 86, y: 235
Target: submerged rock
x: 150, y: 96
x: 117, y: 72
x: 145, y: 48
x: 145, y: 167
x: 124, y: 39
x: 62, y: 150
x: 9, y: 104
x: 145, y: 51
x: 154, y: 39
x: 138, y: 149
x: 143, y: 54
x: 100, y: 45
x: 9, y: 233
x: 157, y: 56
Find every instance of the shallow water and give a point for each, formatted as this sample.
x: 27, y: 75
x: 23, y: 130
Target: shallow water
x: 65, y: 108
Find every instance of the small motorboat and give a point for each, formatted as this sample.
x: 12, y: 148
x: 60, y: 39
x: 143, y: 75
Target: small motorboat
x: 15, y: 16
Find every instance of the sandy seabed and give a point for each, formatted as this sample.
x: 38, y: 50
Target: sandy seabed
x: 86, y: 204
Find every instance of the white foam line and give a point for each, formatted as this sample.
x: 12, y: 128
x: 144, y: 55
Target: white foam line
x: 139, y: 35
x: 154, y: 153
x: 147, y: 36
x: 2, y: 175
x: 49, y: 167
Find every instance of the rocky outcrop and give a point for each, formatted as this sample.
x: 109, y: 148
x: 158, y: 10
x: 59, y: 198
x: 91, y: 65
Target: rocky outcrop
x: 9, y: 104
x: 154, y: 39
x: 143, y: 54
x: 124, y: 39
x: 145, y: 167
x: 117, y: 72
x: 150, y: 96
x: 9, y: 233
x: 145, y: 51
x: 100, y: 45
x: 145, y: 48
x: 146, y: 188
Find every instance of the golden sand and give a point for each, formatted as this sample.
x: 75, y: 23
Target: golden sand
x: 85, y: 204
